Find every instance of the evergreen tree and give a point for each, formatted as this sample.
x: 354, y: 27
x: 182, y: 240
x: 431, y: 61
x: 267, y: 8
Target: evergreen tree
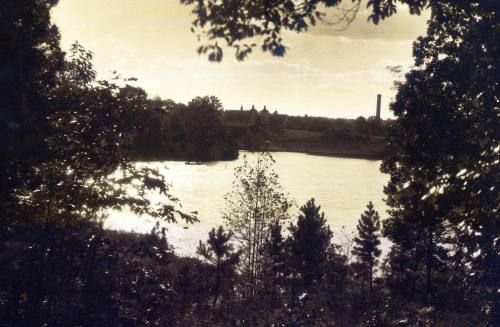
x: 309, y: 242
x: 219, y: 253
x: 274, y: 267
x: 337, y: 284
x: 366, y: 248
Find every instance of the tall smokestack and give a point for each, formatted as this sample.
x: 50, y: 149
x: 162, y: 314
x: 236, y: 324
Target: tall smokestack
x: 379, y: 100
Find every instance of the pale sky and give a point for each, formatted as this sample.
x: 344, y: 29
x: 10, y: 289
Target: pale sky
x: 325, y: 72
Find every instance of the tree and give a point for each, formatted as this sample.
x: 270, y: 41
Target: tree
x: 30, y: 61
x: 63, y: 163
x: 204, y: 127
x: 196, y: 131
x: 219, y: 253
x: 374, y: 126
x: 83, y: 173
x: 338, y: 281
x: 86, y: 169
x: 254, y: 205
x: 366, y: 248
x: 65, y: 132
x: 309, y: 242
x: 274, y: 267
x: 444, y: 163
x: 361, y: 126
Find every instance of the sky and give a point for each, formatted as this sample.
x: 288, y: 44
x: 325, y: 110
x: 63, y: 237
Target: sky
x: 326, y: 72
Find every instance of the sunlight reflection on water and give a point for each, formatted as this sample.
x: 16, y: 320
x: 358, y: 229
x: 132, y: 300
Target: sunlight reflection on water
x: 342, y: 187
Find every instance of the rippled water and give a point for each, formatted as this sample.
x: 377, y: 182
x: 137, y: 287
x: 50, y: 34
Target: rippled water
x: 342, y: 187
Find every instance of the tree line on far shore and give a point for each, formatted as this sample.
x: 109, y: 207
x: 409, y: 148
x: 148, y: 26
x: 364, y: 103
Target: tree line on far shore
x: 194, y: 132
x: 202, y: 130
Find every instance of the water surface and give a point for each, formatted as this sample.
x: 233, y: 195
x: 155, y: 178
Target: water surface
x: 342, y: 187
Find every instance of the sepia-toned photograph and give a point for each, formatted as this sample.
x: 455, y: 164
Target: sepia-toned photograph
x: 249, y: 163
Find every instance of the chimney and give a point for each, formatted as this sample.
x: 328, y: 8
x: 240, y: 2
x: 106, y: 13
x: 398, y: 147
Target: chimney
x: 379, y: 100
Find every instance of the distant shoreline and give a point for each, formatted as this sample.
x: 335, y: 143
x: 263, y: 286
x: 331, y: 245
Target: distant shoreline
x: 356, y: 150
x: 333, y: 154
x: 346, y: 155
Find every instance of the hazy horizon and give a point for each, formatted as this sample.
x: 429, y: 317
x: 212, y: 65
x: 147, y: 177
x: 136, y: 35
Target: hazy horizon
x: 325, y: 72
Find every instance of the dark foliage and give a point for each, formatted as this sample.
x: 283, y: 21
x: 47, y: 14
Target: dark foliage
x: 239, y: 23
x: 193, y: 132
x: 66, y: 142
x: 309, y: 243
x: 220, y: 254
x: 444, y: 169
x: 367, y: 245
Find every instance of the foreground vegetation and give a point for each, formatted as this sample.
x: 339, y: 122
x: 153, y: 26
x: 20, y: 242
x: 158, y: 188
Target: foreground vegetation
x: 264, y: 268
x: 66, y: 141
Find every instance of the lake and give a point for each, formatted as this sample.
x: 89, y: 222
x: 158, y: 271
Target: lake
x: 342, y: 186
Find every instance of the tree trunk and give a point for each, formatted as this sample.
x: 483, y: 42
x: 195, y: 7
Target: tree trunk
x: 371, y: 279
x: 217, y: 281
x: 430, y: 250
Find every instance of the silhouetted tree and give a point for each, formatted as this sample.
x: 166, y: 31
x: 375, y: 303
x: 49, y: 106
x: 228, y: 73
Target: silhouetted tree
x: 204, y: 127
x: 309, y: 242
x: 274, y: 267
x: 444, y: 142
x: 360, y: 125
x: 337, y: 285
x: 65, y: 162
x: 29, y: 64
x: 367, y: 243
x: 219, y: 252
x: 374, y: 126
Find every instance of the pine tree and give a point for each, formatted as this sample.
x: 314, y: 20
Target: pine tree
x: 309, y: 243
x: 219, y: 252
x: 366, y: 248
x: 274, y: 267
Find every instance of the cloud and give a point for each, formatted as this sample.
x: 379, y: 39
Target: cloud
x: 323, y: 69
x: 400, y: 27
